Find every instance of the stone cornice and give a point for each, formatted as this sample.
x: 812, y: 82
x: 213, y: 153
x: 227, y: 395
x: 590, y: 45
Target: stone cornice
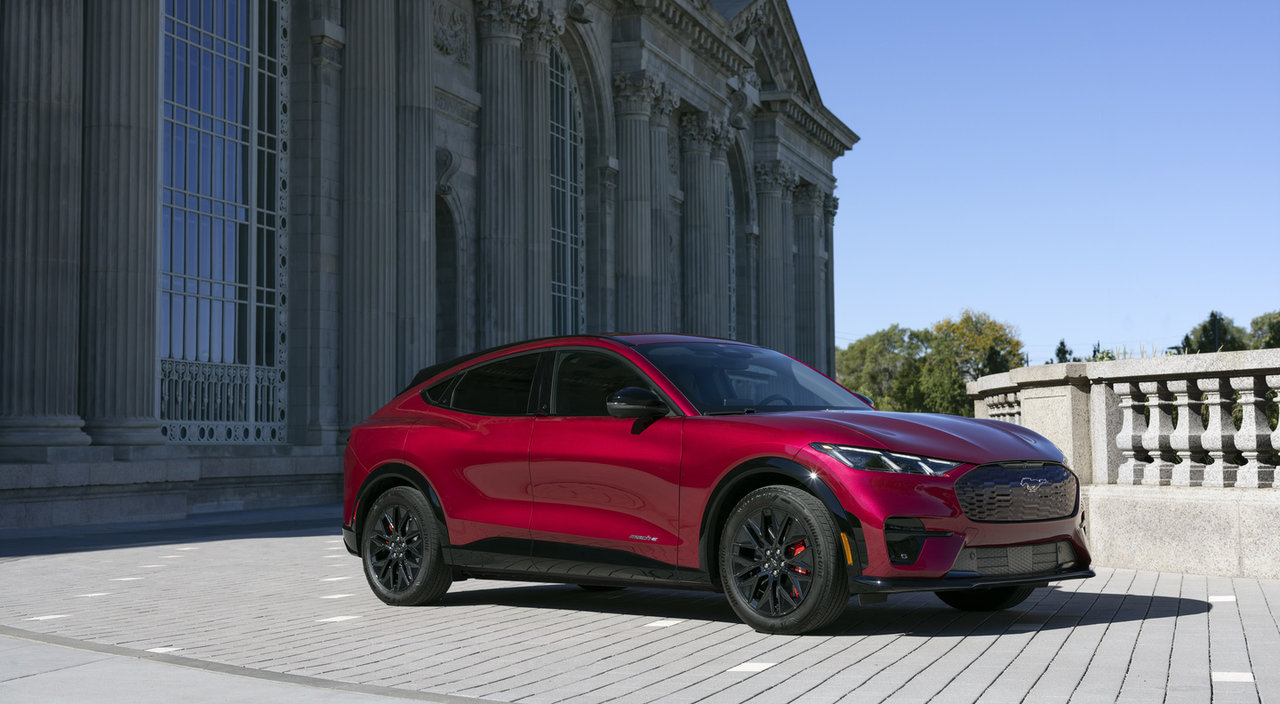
x: 710, y: 42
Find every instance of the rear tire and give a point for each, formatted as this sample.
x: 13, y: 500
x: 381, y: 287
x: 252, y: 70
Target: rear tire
x: 993, y: 599
x: 402, y: 556
x: 779, y: 562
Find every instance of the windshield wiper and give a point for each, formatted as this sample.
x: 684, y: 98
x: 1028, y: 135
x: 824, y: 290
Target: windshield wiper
x: 739, y: 412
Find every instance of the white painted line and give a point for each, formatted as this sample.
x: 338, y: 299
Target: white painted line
x: 162, y: 650
x: 50, y: 617
x: 125, y: 579
x: 1231, y: 676
x: 337, y: 547
x: 171, y: 557
x: 339, y: 540
x: 336, y: 619
x: 752, y: 667
x: 184, y: 549
x: 336, y: 596
x: 661, y: 624
x: 335, y: 579
x: 86, y: 596
x: 1226, y: 598
x: 332, y: 557
x: 150, y: 565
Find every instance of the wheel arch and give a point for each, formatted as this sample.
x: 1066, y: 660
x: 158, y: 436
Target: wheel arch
x: 755, y: 474
x: 385, y: 478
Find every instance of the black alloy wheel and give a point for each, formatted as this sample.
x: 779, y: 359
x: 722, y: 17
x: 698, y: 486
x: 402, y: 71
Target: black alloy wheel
x: 992, y: 599
x: 403, y: 562
x: 779, y: 563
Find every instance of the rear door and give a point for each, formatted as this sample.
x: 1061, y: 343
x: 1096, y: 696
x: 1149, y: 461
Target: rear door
x: 605, y: 489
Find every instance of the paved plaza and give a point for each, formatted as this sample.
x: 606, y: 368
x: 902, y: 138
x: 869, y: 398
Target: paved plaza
x: 268, y: 606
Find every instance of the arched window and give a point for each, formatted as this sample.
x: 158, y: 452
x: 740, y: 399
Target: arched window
x: 223, y: 231
x: 568, y: 244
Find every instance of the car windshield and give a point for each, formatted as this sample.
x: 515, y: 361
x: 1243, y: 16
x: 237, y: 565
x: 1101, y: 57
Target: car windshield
x: 724, y: 377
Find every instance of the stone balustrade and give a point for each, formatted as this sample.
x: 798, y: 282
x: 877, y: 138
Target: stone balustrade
x: 1177, y: 455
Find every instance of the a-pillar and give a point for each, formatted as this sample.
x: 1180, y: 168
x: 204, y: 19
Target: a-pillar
x: 503, y: 291
x: 369, y: 243
x: 811, y: 289
x: 41, y: 113
x: 633, y: 96
x: 775, y: 182
x: 535, y: 68
x: 664, y: 272
x: 702, y: 252
x: 121, y: 199
x: 828, y: 339
x: 415, y: 191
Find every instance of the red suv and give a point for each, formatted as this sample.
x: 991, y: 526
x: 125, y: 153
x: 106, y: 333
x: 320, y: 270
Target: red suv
x: 675, y: 461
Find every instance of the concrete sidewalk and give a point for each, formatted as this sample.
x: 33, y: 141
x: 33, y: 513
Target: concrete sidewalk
x: 270, y: 607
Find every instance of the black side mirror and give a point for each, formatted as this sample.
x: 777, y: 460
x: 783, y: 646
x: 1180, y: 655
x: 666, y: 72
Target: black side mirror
x: 865, y: 399
x: 635, y: 402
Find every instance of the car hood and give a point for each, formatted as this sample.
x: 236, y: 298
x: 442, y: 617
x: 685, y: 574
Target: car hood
x: 971, y: 440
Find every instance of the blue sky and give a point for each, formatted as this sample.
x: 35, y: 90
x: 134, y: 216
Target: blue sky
x: 1099, y: 171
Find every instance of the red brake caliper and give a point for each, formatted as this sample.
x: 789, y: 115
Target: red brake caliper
x: 796, y: 550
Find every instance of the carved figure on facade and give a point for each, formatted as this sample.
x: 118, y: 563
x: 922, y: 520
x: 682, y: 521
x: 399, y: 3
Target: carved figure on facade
x: 447, y: 163
x: 453, y: 33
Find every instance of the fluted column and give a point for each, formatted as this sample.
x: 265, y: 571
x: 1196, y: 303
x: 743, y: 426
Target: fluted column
x: 535, y: 67
x: 701, y: 251
x: 503, y: 290
x: 775, y: 182
x: 810, y: 316
x: 633, y: 99
x: 41, y: 88
x: 722, y: 264
x: 665, y: 281
x: 369, y: 242
x: 415, y: 191
x: 830, y: 205
x: 121, y: 199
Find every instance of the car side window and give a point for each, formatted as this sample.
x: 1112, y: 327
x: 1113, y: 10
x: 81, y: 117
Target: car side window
x: 584, y: 381
x: 498, y: 388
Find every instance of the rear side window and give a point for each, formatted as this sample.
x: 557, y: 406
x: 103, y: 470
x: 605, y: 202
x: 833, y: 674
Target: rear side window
x: 498, y: 388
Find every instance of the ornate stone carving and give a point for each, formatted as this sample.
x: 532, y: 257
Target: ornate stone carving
x: 809, y: 196
x: 751, y: 78
x: 830, y: 204
x: 447, y: 164
x: 748, y: 22
x: 775, y: 175
x: 700, y: 131
x: 457, y: 108
x: 504, y: 17
x: 665, y: 100
x: 541, y: 27
x: 635, y: 92
x: 453, y: 33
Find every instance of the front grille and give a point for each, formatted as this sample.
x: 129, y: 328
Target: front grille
x: 1013, y: 492
x: 1016, y: 559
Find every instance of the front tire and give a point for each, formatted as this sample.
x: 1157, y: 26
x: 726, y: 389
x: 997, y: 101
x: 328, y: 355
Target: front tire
x: 779, y: 563
x: 993, y: 599
x: 402, y: 556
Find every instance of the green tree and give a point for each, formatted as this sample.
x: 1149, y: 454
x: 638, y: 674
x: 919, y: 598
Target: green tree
x: 1264, y: 331
x: 942, y: 377
x: 1100, y: 355
x: 1062, y: 354
x: 1217, y: 333
x: 884, y: 365
x: 980, y: 345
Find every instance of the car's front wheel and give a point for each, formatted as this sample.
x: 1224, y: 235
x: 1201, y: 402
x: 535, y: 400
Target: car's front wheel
x: 993, y: 599
x: 402, y: 559
x: 779, y: 562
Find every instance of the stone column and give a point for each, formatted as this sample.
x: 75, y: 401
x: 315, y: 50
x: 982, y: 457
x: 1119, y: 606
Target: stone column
x: 415, y: 191
x: 41, y: 93
x: 722, y: 263
x: 811, y: 287
x: 775, y: 182
x: 830, y: 204
x: 535, y: 68
x: 633, y: 97
x: 315, y: 268
x: 664, y: 283
x: 369, y: 240
x: 120, y: 238
x: 503, y: 291
x: 702, y: 252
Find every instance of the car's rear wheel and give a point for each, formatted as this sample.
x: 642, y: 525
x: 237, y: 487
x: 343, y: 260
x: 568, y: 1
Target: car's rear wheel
x: 779, y: 563
x: 402, y: 559
x: 993, y: 599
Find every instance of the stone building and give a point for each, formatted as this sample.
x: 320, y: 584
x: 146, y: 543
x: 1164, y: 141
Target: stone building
x: 230, y: 229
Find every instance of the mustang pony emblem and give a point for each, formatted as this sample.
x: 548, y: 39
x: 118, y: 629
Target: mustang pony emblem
x: 1032, y: 485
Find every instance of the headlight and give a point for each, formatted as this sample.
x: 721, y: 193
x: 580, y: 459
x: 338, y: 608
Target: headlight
x: 885, y: 461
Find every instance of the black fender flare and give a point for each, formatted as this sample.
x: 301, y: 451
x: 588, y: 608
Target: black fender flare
x: 391, y: 475
x: 751, y: 473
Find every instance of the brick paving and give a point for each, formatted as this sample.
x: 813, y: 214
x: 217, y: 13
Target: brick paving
x: 289, y: 607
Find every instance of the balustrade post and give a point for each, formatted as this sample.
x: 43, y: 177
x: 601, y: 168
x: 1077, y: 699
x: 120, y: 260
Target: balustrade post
x: 1273, y: 383
x: 1155, y: 440
x: 1218, y: 438
x: 1132, y: 427
x: 1253, y: 437
x: 1185, y: 439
